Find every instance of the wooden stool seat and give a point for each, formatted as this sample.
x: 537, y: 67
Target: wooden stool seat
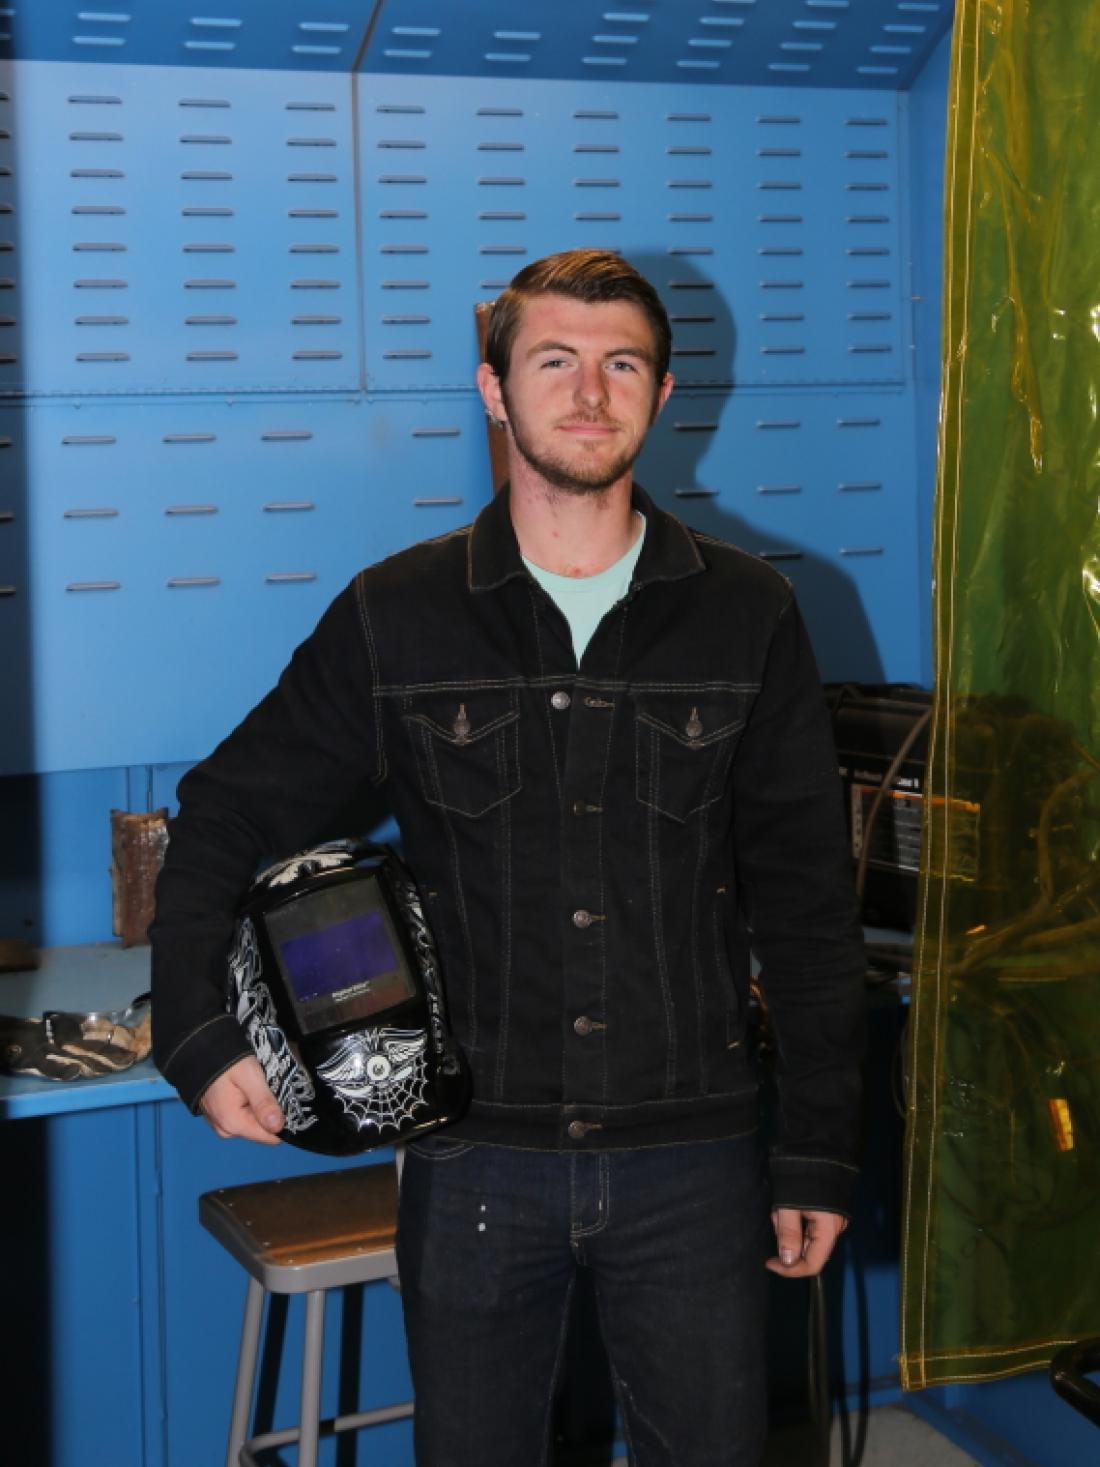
x: 304, y: 1235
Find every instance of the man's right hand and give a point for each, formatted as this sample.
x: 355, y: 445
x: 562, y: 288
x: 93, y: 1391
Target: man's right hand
x: 239, y: 1103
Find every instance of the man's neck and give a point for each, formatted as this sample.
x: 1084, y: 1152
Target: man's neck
x: 572, y: 534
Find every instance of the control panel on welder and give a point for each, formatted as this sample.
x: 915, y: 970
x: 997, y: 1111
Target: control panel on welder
x: 881, y: 735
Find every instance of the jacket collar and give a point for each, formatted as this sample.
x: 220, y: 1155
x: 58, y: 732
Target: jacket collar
x: 492, y: 554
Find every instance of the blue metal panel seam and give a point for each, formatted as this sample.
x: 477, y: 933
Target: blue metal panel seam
x: 150, y: 1234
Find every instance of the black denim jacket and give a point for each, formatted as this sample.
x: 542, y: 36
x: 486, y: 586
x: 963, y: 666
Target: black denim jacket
x: 597, y: 847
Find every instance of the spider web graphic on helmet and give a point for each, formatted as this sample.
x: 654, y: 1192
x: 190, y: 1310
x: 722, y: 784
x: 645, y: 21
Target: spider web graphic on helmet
x: 380, y: 1076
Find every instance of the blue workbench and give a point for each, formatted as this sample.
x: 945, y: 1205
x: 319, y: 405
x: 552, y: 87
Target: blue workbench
x: 80, y: 979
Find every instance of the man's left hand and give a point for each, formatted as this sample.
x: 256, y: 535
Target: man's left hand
x: 805, y: 1241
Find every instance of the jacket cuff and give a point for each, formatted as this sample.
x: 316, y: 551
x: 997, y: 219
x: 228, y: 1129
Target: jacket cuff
x: 812, y: 1184
x: 206, y: 1053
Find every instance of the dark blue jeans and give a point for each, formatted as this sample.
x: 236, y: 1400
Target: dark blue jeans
x: 675, y: 1236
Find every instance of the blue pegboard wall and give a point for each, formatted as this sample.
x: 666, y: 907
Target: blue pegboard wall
x: 254, y: 288
x: 196, y: 232
x: 181, y: 548
x: 771, y: 226
x: 190, y: 231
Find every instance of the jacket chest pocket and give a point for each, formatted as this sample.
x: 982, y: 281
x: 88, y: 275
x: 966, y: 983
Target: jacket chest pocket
x: 684, y: 743
x: 467, y: 749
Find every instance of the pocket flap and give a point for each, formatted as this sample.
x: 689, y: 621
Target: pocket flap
x: 693, y: 719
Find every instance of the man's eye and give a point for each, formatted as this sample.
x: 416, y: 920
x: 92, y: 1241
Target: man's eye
x: 554, y: 362
x: 623, y: 366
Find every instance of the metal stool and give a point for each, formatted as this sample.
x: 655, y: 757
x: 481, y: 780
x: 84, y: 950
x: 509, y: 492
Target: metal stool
x: 304, y: 1235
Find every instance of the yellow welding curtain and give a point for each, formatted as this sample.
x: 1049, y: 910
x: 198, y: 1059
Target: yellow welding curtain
x: 1001, y: 1246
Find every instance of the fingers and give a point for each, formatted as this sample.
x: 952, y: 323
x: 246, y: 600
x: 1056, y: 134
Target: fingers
x: 787, y: 1222
x: 239, y: 1103
x: 804, y: 1241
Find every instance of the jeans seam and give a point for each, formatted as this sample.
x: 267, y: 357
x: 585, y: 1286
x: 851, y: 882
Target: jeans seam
x: 435, y: 1158
x: 624, y: 1413
x: 573, y: 1204
x: 556, y: 1372
x: 604, y: 1203
x: 622, y: 1392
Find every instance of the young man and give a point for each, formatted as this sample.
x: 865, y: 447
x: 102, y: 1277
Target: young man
x: 604, y: 740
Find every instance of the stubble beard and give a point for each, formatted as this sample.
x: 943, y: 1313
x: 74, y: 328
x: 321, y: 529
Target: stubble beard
x: 566, y: 475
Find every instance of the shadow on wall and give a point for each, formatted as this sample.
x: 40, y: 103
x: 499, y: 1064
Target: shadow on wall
x: 687, y: 433
x: 25, y: 1354
x: 19, y: 847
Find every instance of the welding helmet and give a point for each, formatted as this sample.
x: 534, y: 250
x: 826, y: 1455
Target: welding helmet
x: 335, y: 980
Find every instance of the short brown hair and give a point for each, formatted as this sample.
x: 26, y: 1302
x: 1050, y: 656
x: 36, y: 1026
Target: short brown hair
x: 583, y: 275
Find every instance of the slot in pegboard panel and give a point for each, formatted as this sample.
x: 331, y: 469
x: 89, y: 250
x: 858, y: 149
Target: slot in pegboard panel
x: 179, y: 549
x: 768, y: 219
x: 178, y: 230
x: 820, y: 484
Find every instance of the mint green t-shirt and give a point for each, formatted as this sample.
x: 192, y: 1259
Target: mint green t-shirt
x: 585, y: 600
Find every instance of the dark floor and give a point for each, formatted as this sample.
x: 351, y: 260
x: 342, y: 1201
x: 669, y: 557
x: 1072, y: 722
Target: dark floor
x: 890, y: 1436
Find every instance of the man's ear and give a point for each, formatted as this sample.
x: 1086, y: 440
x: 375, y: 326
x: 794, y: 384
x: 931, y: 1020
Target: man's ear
x: 488, y: 384
x: 662, y: 395
x: 663, y: 392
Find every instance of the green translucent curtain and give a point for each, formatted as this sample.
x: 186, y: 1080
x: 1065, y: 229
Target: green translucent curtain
x: 1001, y: 1246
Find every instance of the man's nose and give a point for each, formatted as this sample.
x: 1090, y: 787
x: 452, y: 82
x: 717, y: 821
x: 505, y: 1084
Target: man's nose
x: 591, y: 384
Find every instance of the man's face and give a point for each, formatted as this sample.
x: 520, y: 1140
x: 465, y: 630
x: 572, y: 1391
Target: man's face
x: 581, y: 390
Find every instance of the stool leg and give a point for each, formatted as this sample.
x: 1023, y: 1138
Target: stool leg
x: 246, y: 1372
x: 310, y: 1419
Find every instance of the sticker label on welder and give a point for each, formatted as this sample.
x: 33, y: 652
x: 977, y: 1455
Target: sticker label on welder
x: 895, y: 838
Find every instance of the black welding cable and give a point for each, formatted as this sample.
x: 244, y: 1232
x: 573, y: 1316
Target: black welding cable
x: 817, y: 1355
x: 876, y: 804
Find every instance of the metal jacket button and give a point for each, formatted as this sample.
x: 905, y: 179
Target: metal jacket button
x: 576, y: 1130
x: 461, y: 725
x: 582, y: 918
x: 693, y: 728
x: 560, y: 700
x: 583, y: 1025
